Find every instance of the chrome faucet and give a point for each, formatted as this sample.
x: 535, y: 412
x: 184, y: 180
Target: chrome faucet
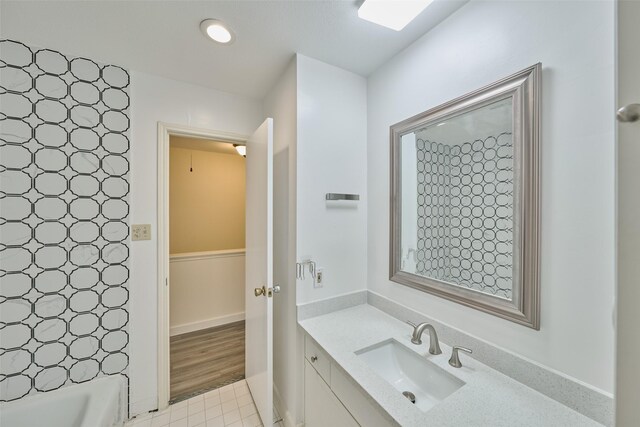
x: 416, y: 337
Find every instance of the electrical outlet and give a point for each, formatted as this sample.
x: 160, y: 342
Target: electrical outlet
x: 317, y: 282
x: 140, y: 232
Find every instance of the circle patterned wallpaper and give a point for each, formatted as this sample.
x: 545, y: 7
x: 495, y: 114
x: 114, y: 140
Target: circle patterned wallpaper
x: 465, y: 213
x: 63, y: 220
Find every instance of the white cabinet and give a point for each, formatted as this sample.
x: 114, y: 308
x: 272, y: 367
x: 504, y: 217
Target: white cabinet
x: 330, y: 398
x: 319, y: 359
x: 360, y: 407
x: 321, y: 407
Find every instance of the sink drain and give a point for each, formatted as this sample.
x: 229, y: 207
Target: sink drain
x: 410, y: 396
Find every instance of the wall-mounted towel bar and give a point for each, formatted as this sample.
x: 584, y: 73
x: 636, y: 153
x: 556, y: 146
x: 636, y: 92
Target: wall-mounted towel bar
x: 341, y: 196
x: 300, y: 267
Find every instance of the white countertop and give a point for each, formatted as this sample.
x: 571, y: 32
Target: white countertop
x: 488, y: 399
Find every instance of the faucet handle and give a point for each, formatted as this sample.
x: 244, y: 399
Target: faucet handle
x: 455, y: 357
x: 415, y: 335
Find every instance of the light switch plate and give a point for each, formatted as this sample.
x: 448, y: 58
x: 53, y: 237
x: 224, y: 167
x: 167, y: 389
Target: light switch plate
x: 140, y: 232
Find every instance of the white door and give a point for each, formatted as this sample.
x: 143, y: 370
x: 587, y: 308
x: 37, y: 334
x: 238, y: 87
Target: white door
x: 259, y: 270
x: 628, y: 167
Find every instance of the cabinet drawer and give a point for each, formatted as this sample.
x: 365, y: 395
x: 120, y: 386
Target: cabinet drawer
x: 318, y: 359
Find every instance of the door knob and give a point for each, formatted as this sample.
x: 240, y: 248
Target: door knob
x: 266, y: 291
x: 273, y: 290
x: 629, y: 113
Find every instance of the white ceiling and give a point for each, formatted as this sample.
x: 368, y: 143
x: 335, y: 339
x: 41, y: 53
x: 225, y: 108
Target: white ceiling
x: 489, y: 120
x: 163, y: 37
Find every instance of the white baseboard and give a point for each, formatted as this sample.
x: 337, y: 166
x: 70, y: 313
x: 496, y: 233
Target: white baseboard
x: 287, y: 418
x: 204, y: 324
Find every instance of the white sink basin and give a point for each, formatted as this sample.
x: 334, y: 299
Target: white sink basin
x: 408, y: 371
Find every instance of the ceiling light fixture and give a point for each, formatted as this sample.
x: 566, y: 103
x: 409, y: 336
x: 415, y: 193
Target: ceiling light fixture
x: 241, y: 149
x: 217, y: 31
x: 394, y: 14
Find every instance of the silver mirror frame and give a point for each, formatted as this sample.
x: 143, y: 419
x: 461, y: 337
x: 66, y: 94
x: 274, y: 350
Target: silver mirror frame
x: 524, y: 88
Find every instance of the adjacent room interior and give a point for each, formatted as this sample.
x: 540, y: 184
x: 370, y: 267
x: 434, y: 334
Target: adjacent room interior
x: 206, y: 264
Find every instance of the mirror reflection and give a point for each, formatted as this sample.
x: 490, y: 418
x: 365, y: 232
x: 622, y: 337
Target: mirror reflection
x: 457, y: 200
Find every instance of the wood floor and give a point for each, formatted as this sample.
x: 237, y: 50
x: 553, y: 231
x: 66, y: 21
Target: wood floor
x: 206, y: 359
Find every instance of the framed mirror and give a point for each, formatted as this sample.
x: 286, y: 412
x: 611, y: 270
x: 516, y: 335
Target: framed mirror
x: 465, y: 199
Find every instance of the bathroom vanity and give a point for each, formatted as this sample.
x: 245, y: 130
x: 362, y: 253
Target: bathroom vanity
x: 360, y: 360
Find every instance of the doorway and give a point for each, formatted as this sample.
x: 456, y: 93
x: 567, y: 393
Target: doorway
x: 206, y: 265
x: 187, y: 326
x: 258, y: 287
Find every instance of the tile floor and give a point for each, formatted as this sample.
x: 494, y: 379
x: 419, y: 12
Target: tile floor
x: 231, y: 405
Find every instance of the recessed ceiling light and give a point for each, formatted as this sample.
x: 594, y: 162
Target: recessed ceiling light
x: 241, y: 149
x: 394, y: 14
x: 217, y: 31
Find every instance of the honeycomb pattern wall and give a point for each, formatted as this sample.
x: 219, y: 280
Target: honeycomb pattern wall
x: 63, y: 220
x: 434, y: 209
x: 465, y: 213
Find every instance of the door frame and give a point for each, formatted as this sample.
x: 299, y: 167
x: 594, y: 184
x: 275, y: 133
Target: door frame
x: 627, y: 346
x: 165, y: 131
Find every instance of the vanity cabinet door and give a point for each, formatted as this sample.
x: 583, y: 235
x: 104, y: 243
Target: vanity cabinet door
x: 321, y: 407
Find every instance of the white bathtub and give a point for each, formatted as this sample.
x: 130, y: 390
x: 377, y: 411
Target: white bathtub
x: 97, y: 403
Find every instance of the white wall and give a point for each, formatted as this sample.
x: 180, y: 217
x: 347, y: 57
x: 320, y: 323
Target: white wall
x: 280, y: 104
x: 156, y: 99
x: 409, y: 211
x: 207, y: 290
x: 480, y: 43
x: 331, y: 158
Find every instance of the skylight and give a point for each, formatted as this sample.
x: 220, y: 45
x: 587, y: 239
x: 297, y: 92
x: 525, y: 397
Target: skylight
x: 394, y: 14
